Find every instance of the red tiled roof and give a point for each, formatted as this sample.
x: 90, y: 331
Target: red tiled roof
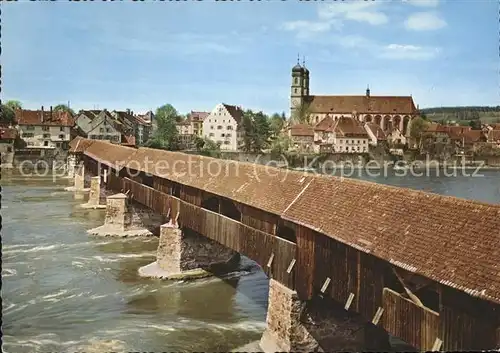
x: 435, y: 127
x: 349, y: 127
x: 197, y: 116
x: 327, y: 124
x: 494, y: 136
x: 301, y: 130
x: 473, y: 136
x: 8, y: 133
x: 496, y: 126
x: 110, y: 154
x: 362, y: 104
x: 452, y: 241
x: 39, y: 117
x: 79, y: 144
x: 377, y: 131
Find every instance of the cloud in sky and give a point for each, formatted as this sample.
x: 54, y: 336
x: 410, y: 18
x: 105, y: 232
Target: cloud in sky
x: 425, y: 21
x: 353, y: 11
x: 422, y: 3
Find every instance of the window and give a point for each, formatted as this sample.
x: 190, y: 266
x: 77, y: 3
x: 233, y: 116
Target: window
x: 9, y: 149
x: 45, y: 143
x: 219, y: 127
x: 46, y: 136
x: 61, y: 128
x: 30, y: 127
x: 229, y: 127
x: 61, y: 136
x: 221, y: 135
x: 226, y: 142
x: 228, y: 135
x: 28, y: 134
x: 101, y: 129
x: 211, y: 134
x: 296, y: 80
x: 58, y: 144
x: 45, y: 128
x: 295, y: 90
x: 211, y: 127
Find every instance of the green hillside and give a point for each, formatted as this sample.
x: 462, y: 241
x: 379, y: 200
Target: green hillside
x: 463, y: 114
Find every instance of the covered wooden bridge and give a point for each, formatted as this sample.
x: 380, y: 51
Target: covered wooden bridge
x: 424, y: 267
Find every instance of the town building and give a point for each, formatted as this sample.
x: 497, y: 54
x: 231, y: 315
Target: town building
x: 385, y: 111
x: 223, y: 124
x: 195, y: 119
x: 395, y: 137
x: 99, y: 125
x: 301, y: 137
x: 133, y: 125
x: 42, y: 129
x: 7, y: 138
x: 375, y: 134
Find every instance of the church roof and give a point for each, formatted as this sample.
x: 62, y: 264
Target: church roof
x: 297, y: 68
x: 362, y: 104
x: 349, y: 127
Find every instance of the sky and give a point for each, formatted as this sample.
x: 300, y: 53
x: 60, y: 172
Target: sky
x: 196, y: 54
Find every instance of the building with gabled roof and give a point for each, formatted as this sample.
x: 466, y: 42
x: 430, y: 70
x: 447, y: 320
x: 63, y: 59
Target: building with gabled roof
x: 44, y: 129
x: 385, y: 111
x: 223, y: 125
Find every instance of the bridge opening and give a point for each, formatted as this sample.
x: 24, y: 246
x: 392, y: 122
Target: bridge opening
x: 286, y: 232
x: 228, y: 209
x: 428, y: 296
x: 176, y: 190
x: 211, y: 204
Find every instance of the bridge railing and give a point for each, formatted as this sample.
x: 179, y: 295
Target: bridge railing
x: 273, y: 254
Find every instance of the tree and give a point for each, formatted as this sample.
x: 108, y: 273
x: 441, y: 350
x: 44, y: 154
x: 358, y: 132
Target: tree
x: 302, y: 115
x: 246, y: 129
x: 280, y: 145
x: 210, y: 148
x: 166, y: 135
x: 8, y: 115
x: 64, y: 108
x: 417, y: 128
x: 276, y: 124
x: 14, y: 104
x: 475, y: 124
x: 261, y: 133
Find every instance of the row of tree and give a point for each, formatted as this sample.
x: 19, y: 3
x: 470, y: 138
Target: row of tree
x: 258, y: 130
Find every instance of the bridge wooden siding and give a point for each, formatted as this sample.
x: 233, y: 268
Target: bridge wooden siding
x: 468, y: 323
x: 251, y: 242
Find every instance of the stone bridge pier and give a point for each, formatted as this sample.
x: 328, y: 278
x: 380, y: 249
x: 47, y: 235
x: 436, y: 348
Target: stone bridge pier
x: 184, y: 254
x: 126, y: 219
x: 80, y: 178
x: 316, y: 325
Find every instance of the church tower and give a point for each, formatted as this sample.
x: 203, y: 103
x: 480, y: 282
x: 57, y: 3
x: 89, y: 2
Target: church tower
x: 299, y: 87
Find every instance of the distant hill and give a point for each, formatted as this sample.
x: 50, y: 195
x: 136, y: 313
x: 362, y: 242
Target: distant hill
x: 486, y: 114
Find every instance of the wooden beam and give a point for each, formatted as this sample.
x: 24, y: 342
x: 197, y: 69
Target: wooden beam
x: 410, y: 294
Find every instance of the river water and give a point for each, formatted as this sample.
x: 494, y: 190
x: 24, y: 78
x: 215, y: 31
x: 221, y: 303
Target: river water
x: 65, y: 291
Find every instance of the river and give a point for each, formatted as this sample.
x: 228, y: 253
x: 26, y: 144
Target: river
x: 65, y: 291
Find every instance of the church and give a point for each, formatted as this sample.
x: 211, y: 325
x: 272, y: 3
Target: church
x: 389, y: 112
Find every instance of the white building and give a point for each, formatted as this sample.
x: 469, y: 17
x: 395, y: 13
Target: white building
x: 221, y: 126
x: 44, y: 129
x: 342, y: 135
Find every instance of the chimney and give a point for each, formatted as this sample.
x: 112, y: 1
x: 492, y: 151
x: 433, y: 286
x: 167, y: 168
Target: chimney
x: 51, y: 117
x: 128, y: 111
x: 41, y: 116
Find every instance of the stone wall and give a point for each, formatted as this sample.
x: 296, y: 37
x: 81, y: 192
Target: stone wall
x: 284, y: 331
x: 117, y: 215
x: 182, y: 250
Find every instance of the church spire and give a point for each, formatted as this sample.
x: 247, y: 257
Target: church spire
x: 368, y: 90
x: 303, y: 61
x: 298, y: 58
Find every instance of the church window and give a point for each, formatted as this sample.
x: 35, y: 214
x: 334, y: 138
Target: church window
x: 296, y: 80
x: 295, y: 90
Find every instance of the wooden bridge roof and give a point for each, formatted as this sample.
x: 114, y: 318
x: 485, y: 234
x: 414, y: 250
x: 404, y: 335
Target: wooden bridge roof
x: 79, y: 144
x: 110, y: 154
x: 452, y: 241
x: 246, y: 183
